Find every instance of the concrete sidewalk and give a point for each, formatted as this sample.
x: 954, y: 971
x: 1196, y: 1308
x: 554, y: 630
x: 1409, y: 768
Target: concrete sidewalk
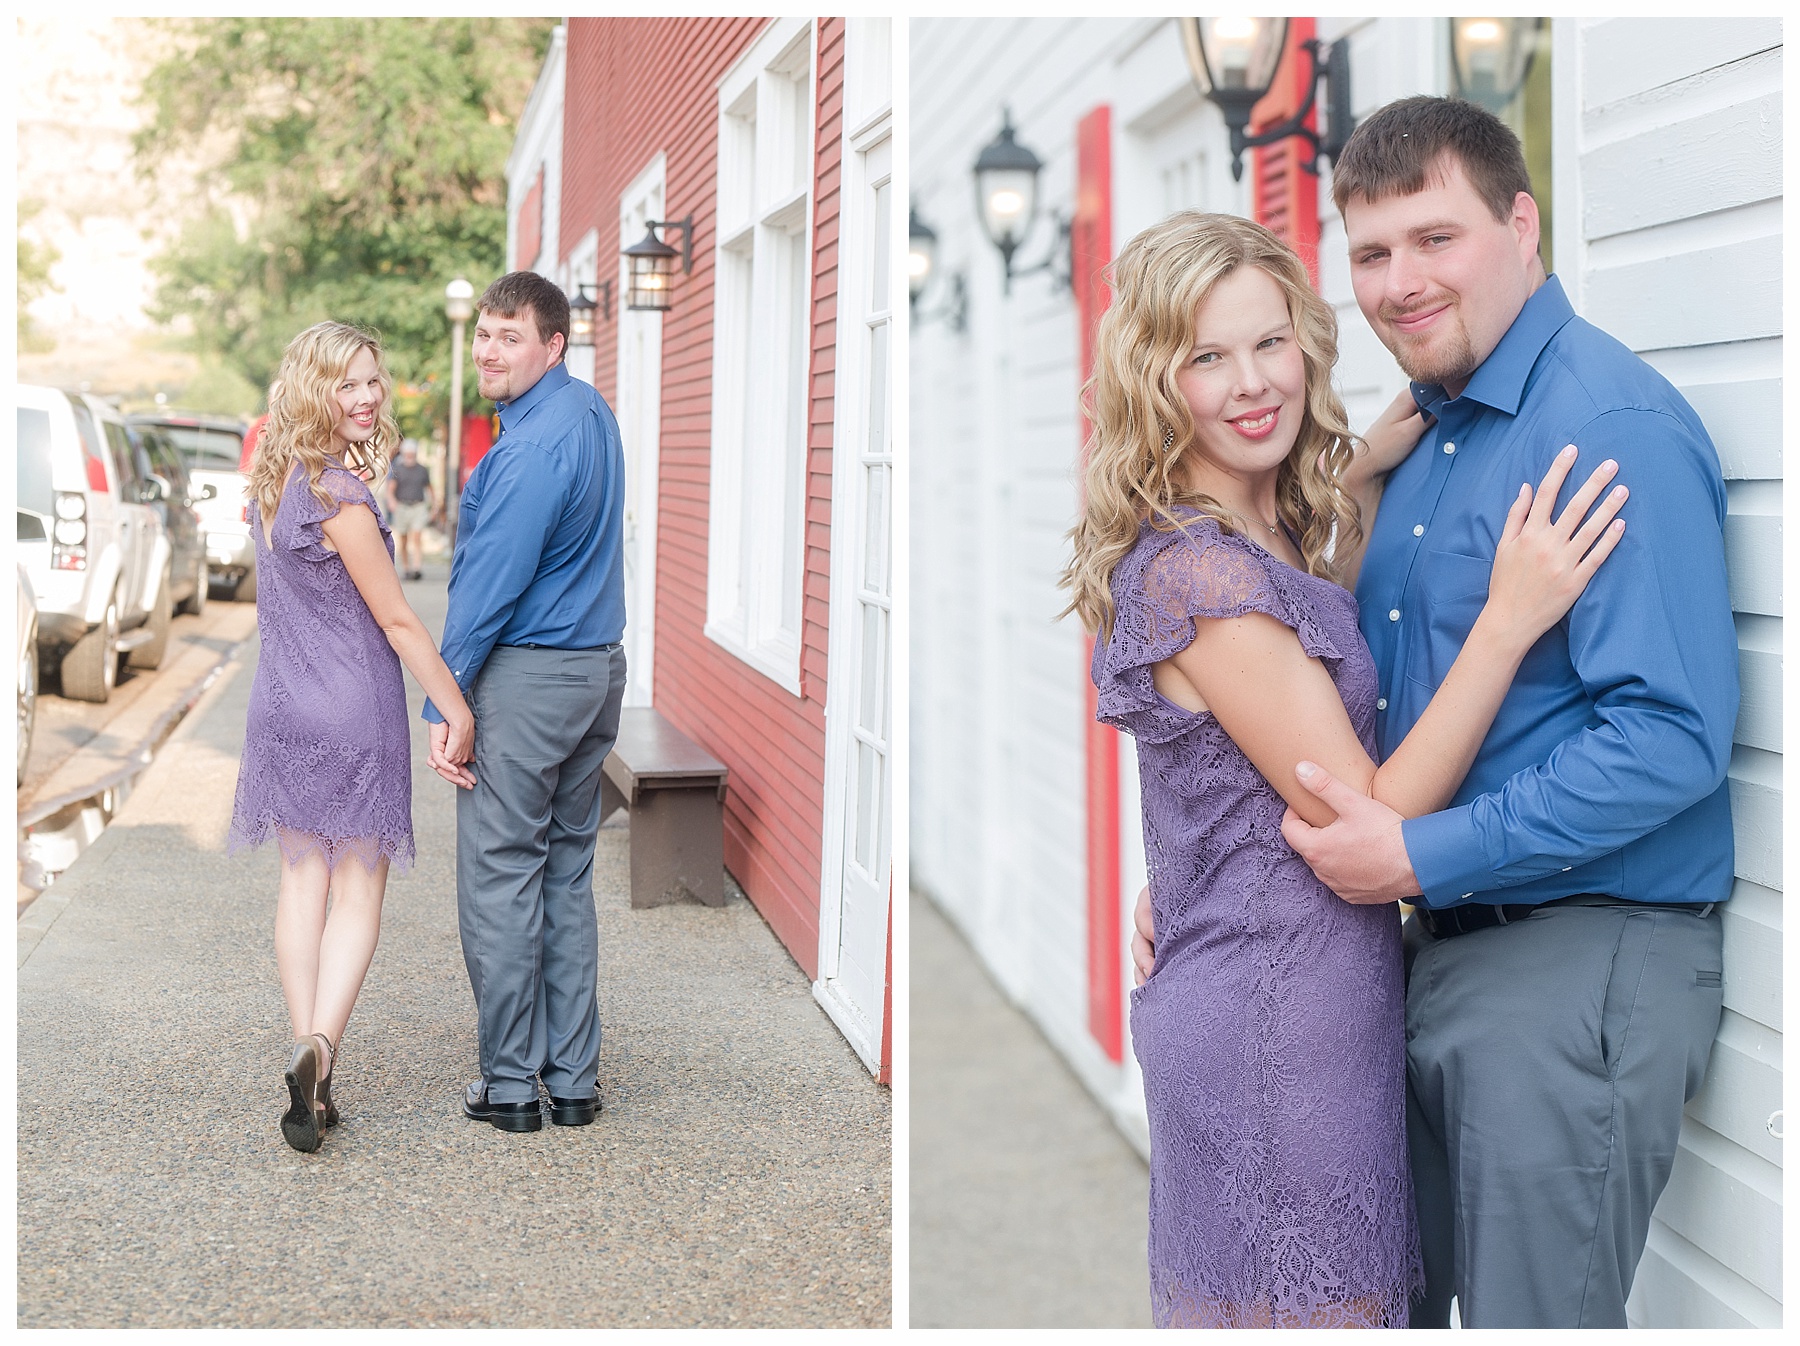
x: 1028, y: 1208
x: 738, y: 1175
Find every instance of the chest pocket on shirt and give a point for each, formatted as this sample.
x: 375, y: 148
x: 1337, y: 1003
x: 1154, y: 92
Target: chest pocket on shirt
x: 1454, y: 589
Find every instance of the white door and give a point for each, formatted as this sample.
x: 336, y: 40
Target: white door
x: 639, y: 411
x: 853, y: 924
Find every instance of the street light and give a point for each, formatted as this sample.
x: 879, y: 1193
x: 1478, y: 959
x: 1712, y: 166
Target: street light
x: 1006, y: 184
x: 1491, y: 58
x: 1233, y: 62
x: 459, y: 307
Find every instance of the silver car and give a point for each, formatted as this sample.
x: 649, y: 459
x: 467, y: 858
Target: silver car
x: 90, y: 541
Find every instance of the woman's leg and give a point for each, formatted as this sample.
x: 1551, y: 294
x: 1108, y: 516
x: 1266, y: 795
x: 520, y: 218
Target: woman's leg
x: 348, y: 944
x: 299, y: 922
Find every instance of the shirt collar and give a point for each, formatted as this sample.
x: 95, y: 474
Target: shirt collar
x: 554, y: 379
x: 1499, y: 381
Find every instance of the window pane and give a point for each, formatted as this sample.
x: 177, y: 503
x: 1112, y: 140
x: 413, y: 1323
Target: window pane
x: 868, y: 804
x: 874, y: 668
x: 875, y: 530
x: 878, y: 271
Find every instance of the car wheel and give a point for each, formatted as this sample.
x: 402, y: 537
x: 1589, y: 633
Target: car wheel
x: 195, y: 603
x: 91, y: 666
x: 28, y: 681
x: 149, y: 655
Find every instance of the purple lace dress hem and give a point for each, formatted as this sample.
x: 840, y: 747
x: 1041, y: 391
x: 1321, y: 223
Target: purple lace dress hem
x: 1271, y: 1033
x: 327, y: 750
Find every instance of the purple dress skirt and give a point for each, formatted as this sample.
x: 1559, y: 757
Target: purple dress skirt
x: 1271, y: 1033
x: 327, y: 752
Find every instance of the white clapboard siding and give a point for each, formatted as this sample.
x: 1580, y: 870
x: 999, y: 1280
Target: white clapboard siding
x: 1670, y: 136
x: 998, y: 807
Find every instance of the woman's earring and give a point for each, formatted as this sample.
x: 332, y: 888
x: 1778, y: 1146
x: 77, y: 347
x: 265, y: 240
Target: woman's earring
x: 1168, y: 439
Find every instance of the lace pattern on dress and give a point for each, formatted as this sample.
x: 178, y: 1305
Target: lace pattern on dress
x: 326, y: 765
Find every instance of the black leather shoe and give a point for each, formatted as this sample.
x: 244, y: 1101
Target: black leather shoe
x: 573, y: 1111
x: 503, y: 1116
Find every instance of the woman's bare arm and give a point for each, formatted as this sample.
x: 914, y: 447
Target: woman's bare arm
x: 356, y: 537
x: 1280, y: 706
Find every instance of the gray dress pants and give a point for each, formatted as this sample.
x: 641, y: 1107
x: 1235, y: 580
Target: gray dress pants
x: 1547, y: 1064
x: 544, y: 722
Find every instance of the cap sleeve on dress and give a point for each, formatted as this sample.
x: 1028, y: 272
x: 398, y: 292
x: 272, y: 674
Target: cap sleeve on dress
x: 1167, y: 581
x: 304, y: 535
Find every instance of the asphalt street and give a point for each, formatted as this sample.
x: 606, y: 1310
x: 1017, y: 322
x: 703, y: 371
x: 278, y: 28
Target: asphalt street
x: 1028, y: 1207
x: 738, y: 1175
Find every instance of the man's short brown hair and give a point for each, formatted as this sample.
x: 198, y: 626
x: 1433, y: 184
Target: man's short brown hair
x: 1396, y: 151
x: 518, y: 290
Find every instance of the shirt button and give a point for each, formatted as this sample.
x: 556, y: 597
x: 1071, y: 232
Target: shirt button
x: 1418, y: 530
x: 1394, y: 615
x: 1381, y: 704
x: 1449, y: 448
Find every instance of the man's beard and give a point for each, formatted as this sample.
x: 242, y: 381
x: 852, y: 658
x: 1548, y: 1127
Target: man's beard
x: 1450, y: 359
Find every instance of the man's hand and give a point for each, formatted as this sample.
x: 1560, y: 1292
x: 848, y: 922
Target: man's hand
x: 1362, y: 856
x: 441, y: 758
x: 1143, y: 938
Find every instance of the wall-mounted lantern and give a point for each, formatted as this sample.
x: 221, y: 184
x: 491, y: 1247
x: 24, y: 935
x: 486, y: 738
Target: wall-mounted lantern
x: 1233, y: 62
x: 1006, y: 179
x: 921, y: 258
x: 652, y: 265
x: 583, y: 310
x: 1490, y: 58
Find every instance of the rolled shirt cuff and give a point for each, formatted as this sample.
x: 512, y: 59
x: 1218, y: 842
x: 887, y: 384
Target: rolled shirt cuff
x: 431, y: 712
x: 1447, y: 856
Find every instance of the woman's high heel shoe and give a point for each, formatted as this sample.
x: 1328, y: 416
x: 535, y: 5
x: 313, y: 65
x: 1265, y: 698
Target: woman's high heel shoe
x: 330, y: 1059
x: 303, y: 1124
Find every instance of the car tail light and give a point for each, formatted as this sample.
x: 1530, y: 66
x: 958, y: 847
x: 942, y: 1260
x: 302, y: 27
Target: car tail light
x: 96, y: 475
x: 70, y: 530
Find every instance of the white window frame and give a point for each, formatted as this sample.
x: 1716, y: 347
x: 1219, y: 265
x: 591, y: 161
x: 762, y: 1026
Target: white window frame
x: 869, y: 121
x: 762, y: 329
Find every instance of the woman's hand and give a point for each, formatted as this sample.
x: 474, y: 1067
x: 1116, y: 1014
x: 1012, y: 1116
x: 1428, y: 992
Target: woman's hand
x: 1392, y: 437
x: 1542, y: 565
x: 452, y: 747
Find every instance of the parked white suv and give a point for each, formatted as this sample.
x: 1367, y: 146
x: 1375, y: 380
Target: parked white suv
x: 90, y: 541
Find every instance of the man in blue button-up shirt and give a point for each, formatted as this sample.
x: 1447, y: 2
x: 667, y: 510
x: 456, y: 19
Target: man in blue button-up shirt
x: 1563, y: 990
x: 536, y: 615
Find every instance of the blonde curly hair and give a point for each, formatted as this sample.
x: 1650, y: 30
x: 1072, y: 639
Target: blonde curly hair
x: 1159, y: 282
x: 303, y: 411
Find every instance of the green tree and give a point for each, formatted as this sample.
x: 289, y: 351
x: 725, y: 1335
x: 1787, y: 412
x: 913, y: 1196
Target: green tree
x: 35, y: 261
x: 355, y: 166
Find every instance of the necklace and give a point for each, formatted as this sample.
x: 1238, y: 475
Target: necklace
x: 1273, y: 529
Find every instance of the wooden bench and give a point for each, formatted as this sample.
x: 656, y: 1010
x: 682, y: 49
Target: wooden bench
x: 675, y: 792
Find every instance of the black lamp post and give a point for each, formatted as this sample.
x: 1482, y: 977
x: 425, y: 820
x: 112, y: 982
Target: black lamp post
x: 921, y: 258
x: 652, y: 265
x: 1006, y: 179
x: 1234, y: 60
x: 1492, y: 57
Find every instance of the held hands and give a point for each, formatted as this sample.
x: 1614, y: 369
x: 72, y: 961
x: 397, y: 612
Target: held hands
x: 452, y: 745
x: 1542, y: 565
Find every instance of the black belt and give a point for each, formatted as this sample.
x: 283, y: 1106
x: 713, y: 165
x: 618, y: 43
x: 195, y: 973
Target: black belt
x: 1448, y: 921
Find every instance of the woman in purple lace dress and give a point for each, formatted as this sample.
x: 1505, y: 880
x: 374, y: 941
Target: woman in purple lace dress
x: 1224, y: 493
x: 326, y: 768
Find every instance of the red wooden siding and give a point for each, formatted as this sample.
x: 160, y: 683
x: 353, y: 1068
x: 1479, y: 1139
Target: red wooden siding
x: 530, y: 229
x: 1285, y: 196
x: 636, y: 87
x: 1092, y: 252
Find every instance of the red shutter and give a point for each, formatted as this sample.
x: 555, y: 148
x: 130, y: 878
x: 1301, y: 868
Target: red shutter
x: 1285, y: 197
x: 1092, y: 251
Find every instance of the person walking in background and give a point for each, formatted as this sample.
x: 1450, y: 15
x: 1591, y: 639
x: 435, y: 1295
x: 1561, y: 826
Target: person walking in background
x: 412, y: 500
x: 536, y: 616
x: 1222, y: 518
x: 325, y: 769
